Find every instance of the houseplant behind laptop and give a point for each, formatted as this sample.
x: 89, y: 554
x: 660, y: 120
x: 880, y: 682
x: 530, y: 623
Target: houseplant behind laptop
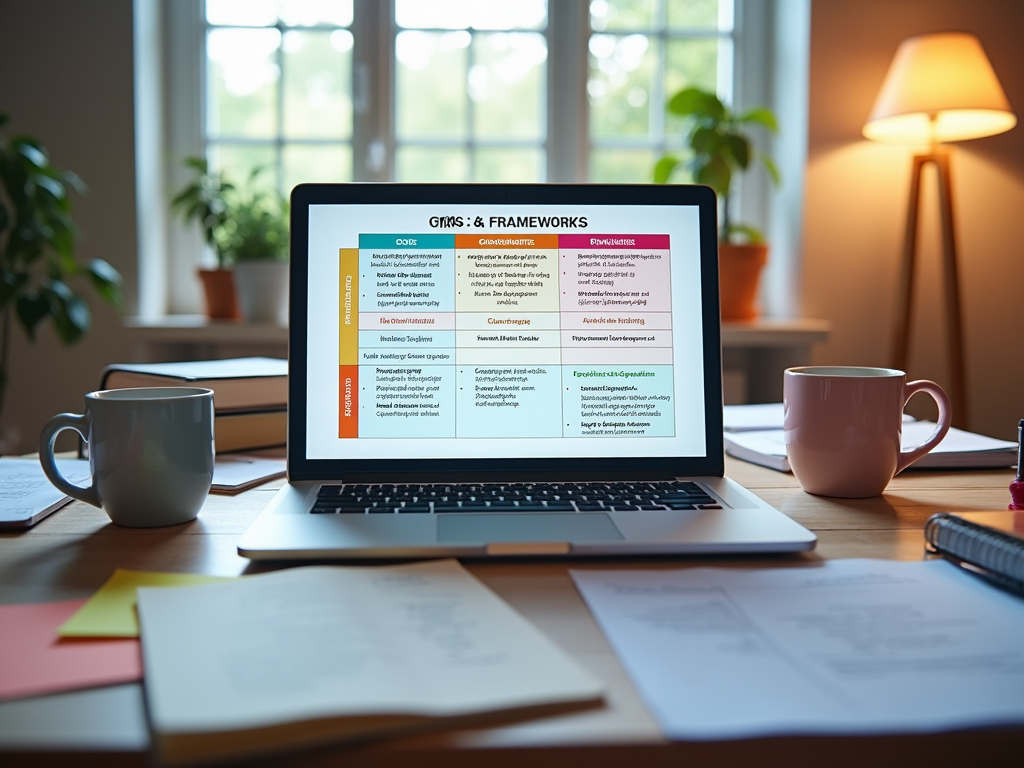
x: 247, y: 229
x: 257, y: 239
x: 206, y: 201
x: 720, y: 149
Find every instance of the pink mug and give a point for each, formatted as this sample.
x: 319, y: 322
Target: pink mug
x: 843, y: 427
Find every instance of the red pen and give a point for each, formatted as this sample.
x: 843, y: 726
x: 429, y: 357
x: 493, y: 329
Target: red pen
x: 1017, y: 486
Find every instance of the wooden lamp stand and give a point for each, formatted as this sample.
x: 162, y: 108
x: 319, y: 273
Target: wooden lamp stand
x: 951, y: 279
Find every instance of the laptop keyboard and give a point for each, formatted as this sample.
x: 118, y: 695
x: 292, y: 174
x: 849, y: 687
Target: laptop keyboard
x: 511, y: 497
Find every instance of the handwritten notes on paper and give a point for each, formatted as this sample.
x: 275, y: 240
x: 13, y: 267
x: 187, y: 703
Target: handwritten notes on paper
x: 339, y: 651
x: 851, y: 646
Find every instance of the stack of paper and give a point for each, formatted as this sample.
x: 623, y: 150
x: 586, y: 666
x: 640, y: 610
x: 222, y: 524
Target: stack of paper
x: 754, y: 433
x: 845, y: 647
x: 309, y: 655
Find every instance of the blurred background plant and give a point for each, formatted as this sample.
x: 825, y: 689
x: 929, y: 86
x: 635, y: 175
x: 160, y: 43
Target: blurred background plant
x: 258, y: 228
x: 237, y: 223
x: 38, y: 267
x: 721, y: 148
x: 205, y: 200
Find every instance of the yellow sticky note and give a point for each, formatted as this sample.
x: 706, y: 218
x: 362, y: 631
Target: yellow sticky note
x: 111, y: 611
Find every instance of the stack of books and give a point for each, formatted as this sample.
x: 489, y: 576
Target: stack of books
x: 250, y: 395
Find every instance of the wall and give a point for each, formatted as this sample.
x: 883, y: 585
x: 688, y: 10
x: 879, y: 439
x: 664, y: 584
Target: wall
x: 66, y: 78
x: 856, y: 204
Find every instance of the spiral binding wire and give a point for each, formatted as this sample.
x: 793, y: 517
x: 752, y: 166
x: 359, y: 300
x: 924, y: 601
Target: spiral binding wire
x: 978, y: 545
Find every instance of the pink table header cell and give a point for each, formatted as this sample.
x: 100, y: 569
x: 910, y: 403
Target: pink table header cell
x: 615, y: 242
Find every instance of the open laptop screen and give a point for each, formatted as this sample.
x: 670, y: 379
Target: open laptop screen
x: 458, y: 325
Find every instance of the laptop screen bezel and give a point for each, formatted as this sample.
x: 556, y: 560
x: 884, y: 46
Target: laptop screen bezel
x: 305, y: 195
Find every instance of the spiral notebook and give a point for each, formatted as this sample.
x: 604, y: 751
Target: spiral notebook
x: 991, y: 544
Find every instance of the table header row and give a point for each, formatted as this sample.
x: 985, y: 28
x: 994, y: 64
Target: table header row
x: 513, y: 241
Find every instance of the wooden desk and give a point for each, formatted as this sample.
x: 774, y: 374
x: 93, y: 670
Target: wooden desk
x: 73, y: 552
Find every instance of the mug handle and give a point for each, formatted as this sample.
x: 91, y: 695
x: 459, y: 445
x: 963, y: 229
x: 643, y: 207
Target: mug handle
x: 53, y: 427
x: 906, y: 458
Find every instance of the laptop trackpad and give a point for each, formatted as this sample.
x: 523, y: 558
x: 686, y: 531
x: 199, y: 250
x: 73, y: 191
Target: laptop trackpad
x: 483, y: 529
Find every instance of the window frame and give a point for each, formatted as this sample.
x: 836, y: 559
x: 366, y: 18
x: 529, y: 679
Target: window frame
x: 170, y: 57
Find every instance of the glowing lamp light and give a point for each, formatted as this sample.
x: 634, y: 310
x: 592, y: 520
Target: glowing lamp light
x: 939, y: 88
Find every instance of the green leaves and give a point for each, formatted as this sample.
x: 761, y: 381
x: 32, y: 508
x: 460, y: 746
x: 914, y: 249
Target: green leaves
x: 715, y: 172
x: 236, y: 224
x: 760, y: 116
x: 664, y: 168
x: 773, y: 171
x: 37, y: 239
x: 106, y: 281
x: 204, y: 201
x: 720, y: 147
x: 699, y: 103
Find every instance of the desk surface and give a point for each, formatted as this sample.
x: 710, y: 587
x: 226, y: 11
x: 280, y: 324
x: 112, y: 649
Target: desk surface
x: 73, y: 552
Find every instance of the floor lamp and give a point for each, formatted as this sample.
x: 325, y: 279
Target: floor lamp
x: 939, y: 88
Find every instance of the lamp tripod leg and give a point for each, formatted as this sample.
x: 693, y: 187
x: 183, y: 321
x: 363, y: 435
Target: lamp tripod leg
x: 901, y: 340
x: 951, y: 278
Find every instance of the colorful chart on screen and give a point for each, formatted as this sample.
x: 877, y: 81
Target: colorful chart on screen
x: 512, y: 335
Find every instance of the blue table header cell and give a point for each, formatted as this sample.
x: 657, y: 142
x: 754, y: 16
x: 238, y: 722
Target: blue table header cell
x: 408, y: 242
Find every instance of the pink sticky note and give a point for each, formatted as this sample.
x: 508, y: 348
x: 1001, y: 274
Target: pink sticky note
x: 34, y: 660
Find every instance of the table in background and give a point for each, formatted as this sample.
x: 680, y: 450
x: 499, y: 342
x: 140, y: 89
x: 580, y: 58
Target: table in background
x: 73, y: 552
x: 754, y: 354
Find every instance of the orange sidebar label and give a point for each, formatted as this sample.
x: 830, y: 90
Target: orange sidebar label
x: 348, y: 401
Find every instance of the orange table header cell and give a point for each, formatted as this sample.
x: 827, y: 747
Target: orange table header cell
x: 506, y: 241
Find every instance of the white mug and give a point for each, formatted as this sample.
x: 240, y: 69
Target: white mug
x: 150, y: 453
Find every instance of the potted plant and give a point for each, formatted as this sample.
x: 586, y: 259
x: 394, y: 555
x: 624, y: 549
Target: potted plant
x: 720, y: 149
x: 256, y: 237
x: 206, y: 200
x: 248, y: 230
x: 38, y: 268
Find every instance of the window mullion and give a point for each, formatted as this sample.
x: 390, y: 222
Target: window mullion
x: 470, y: 143
x: 373, y: 91
x: 279, y: 142
x: 568, y: 129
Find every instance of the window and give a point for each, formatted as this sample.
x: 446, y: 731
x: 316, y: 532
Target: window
x: 466, y: 85
x: 470, y: 90
x: 640, y: 54
x: 418, y: 90
x: 279, y: 88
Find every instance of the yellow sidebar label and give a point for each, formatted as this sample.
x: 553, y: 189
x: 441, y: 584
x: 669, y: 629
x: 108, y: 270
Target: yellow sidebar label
x: 348, y: 314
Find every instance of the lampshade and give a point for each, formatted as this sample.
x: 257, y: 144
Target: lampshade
x: 939, y: 87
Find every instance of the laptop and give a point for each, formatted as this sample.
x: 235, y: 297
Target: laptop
x: 505, y: 371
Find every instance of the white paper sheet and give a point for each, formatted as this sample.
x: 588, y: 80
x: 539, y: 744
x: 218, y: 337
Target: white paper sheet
x: 235, y: 472
x: 851, y: 646
x: 26, y: 494
x: 958, y: 449
x: 744, y: 418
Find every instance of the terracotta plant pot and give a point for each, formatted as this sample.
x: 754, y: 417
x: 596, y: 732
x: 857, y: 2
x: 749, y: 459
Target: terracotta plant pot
x: 739, y: 272
x: 219, y: 289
